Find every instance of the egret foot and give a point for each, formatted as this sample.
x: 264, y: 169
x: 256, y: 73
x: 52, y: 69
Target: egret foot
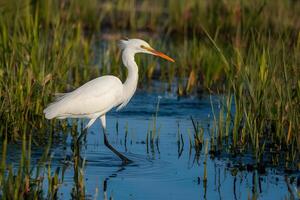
x: 124, y: 159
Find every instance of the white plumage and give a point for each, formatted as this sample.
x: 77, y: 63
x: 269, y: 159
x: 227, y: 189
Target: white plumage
x: 98, y: 96
x: 91, y: 100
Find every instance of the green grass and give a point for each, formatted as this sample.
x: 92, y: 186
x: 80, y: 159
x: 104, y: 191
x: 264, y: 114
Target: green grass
x: 26, y: 181
x: 37, y: 178
x: 153, y: 132
x: 260, y: 111
x: 248, y: 51
x: 49, y: 47
x: 37, y: 61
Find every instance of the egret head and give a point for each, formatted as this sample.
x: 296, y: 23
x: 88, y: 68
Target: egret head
x: 140, y: 46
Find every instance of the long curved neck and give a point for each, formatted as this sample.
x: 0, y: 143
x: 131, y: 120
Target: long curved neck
x: 132, y: 78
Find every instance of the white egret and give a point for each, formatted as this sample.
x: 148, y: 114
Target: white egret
x: 98, y: 96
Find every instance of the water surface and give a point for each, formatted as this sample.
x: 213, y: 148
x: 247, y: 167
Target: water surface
x: 160, y: 171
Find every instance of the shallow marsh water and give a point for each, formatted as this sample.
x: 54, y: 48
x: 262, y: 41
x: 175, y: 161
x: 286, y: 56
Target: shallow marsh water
x: 158, y: 172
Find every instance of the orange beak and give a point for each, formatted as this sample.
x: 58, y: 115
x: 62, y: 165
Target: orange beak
x: 159, y: 54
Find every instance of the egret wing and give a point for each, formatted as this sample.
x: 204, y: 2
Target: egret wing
x: 96, y: 96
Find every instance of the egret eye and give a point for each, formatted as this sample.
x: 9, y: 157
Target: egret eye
x: 142, y: 46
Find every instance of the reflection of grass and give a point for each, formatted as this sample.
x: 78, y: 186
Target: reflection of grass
x: 152, y: 138
x: 78, y: 191
x: 29, y: 181
x: 180, y: 142
x: 198, y: 137
x: 26, y: 181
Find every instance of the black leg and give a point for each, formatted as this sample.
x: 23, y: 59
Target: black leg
x: 123, y: 158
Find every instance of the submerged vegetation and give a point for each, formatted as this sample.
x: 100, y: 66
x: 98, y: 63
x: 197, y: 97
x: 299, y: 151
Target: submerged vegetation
x: 247, y: 51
